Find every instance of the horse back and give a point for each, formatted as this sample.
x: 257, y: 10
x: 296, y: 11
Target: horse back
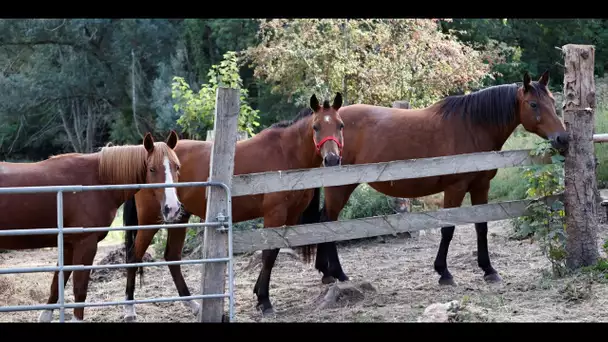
x: 39, y: 209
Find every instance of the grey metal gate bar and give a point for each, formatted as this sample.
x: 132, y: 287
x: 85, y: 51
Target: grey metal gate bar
x: 223, y: 223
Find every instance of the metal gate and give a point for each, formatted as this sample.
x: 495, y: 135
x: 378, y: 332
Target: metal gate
x: 223, y: 223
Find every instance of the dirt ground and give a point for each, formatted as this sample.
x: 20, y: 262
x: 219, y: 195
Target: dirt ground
x: 400, y: 271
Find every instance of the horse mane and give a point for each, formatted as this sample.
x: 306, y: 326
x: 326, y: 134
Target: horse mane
x: 494, y: 105
x: 304, y: 112
x: 128, y: 164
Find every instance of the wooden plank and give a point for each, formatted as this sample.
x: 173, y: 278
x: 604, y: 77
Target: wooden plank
x: 401, y: 104
x: 215, y: 243
x: 579, y: 168
x: 299, y: 235
x: 600, y: 138
x: 240, y: 135
x: 267, y: 182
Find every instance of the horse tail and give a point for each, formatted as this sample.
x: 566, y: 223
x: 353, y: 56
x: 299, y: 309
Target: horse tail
x: 129, y: 218
x: 310, y: 215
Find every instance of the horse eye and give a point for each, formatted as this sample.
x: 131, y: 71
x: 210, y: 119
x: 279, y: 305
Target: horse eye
x: 316, y: 128
x: 533, y: 105
x: 152, y: 169
x: 176, y: 167
x: 341, y: 126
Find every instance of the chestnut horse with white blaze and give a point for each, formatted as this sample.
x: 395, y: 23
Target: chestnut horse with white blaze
x: 313, y: 139
x: 154, y: 162
x: 476, y: 122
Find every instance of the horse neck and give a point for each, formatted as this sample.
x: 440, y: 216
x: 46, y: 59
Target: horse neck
x: 297, y: 141
x: 484, y: 137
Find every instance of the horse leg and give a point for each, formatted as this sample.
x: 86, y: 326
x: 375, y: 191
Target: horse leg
x: 173, y: 252
x: 84, y: 253
x: 142, y: 242
x: 47, y: 315
x: 452, y: 198
x: 269, y: 257
x: 327, y: 252
x: 479, y: 195
x: 322, y: 264
x: 262, y: 285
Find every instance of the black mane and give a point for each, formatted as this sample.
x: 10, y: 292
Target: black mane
x: 305, y: 112
x: 494, y: 105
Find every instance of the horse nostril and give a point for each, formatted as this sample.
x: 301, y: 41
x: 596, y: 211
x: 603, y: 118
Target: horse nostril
x: 562, y: 139
x: 331, y: 159
x: 166, y: 210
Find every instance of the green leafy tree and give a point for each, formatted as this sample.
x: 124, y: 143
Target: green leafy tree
x: 198, y: 109
x: 369, y: 60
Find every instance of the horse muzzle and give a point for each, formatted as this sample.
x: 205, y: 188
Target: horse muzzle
x: 331, y: 159
x: 560, y: 141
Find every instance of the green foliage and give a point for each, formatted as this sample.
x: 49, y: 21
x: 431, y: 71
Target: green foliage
x: 198, y: 110
x: 373, y: 61
x: 545, y: 221
x: 365, y: 202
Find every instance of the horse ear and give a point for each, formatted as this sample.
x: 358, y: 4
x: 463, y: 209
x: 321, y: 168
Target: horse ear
x: 172, y: 139
x: 149, y: 142
x: 337, y: 101
x: 314, y: 103
x: 526, y: 82
x: 544, y: 79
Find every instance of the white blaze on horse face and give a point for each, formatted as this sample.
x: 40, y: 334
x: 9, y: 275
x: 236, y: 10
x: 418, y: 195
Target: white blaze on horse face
x: 327, y: 118
x: 171, y: 200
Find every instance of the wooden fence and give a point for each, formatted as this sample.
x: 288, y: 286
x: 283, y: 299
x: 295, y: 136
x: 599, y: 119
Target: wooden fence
x: 293, y: 236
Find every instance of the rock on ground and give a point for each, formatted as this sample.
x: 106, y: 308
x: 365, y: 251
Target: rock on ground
x: 114, y: 257
x: 342, y: 294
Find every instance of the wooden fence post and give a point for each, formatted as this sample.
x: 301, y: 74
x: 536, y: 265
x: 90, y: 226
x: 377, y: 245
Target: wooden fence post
x: 401, y: 104
x: 221, y: 170
x: 579, y: 167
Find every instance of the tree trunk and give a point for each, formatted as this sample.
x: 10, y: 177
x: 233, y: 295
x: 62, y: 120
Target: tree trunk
x: 580, y: 178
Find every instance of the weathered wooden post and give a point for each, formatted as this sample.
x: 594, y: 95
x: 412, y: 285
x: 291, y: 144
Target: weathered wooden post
x: 240, y: 135
x: 401, y: 104
x: 221, y: 170
x: 579, y: 167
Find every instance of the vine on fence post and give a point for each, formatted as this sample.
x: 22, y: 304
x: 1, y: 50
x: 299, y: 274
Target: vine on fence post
x: 545, y: 221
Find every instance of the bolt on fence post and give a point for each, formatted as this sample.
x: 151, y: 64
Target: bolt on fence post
x: 60, y: 278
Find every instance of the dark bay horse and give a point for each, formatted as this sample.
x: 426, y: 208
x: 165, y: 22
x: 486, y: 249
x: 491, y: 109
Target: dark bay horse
x: 154, y: 162
x: 313, y: 139
x: 477, y: 122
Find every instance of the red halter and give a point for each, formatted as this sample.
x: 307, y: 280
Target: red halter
x: 326, y: 139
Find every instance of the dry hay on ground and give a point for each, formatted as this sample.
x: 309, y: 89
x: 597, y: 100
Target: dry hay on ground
x: 399, y: 270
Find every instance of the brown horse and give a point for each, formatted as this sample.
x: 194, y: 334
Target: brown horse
x: 308, y: 141
x: 477, y: 122
x: 154, y: 162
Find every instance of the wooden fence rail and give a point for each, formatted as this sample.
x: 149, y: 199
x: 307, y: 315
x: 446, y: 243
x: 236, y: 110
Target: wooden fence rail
x: 267, y: 182
x: 306, y: 234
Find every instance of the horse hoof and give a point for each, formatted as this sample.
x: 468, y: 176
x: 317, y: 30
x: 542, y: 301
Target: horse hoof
x: 268, y: 312
x: 343, y: 277
x: 492, y: 278
x: 45, y: 316
x: 130, y: 318
x: 328, y: 280
x: 447, y: 281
